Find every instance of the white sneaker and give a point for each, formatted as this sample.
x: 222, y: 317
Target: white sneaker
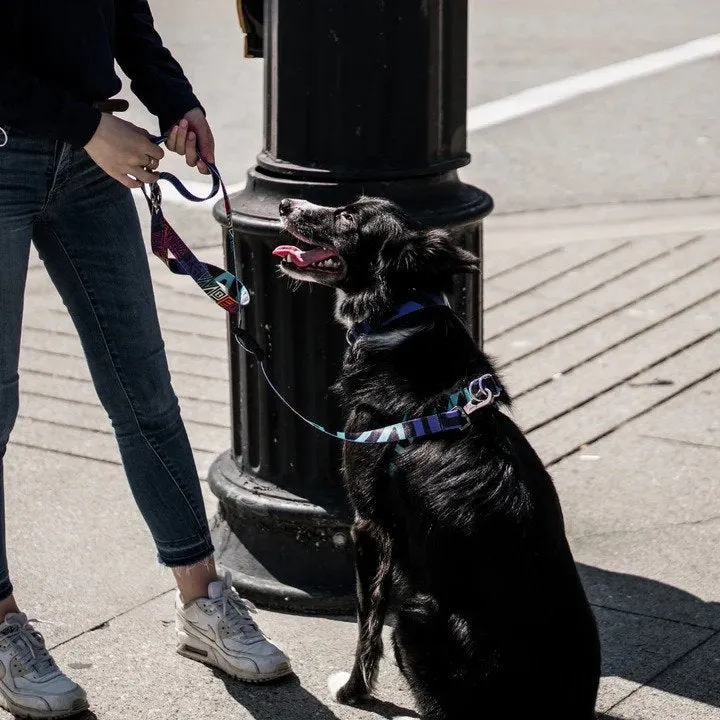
x: 31, y: 684
x: 218, y: 630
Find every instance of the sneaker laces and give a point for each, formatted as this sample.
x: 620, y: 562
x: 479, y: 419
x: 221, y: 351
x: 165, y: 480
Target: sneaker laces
x: 30, y: 644
x: 236, y: 611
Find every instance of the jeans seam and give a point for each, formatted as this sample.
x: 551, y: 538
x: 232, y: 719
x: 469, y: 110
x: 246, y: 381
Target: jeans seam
x: 55, y: 165
x: 120, y: 380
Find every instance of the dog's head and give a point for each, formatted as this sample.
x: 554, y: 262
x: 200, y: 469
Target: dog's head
x: 370, y: 250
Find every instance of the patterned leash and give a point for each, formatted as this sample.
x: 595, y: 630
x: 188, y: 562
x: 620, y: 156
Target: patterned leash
x: 225, y: 289
x: 220, y: 285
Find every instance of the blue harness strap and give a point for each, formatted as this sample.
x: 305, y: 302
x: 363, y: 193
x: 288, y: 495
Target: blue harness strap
x: 406, y: 308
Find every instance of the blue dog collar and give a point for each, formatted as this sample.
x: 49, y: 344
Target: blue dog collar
x: 408, y: 307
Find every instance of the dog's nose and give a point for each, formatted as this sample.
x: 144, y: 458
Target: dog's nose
x: 285, y: 206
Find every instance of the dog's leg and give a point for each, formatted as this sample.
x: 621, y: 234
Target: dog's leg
x: 373, y: 568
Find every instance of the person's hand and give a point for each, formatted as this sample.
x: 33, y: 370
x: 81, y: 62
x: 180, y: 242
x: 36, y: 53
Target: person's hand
x: 191, y: 137
x: 124, y: 151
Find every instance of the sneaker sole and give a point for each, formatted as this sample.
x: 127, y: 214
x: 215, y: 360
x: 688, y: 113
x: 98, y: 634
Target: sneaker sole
x: 207, y: 656
x: 20, y: 711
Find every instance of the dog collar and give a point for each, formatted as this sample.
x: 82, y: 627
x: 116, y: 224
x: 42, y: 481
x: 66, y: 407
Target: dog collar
x: 408, y: 307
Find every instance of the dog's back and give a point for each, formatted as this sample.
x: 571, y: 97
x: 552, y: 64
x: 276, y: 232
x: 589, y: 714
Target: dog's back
x: 491, y: 613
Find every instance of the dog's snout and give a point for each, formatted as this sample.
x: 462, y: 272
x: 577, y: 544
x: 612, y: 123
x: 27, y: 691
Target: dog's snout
x: 286, y: 206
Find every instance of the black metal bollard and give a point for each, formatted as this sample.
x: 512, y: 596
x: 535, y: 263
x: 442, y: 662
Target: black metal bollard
x: 361, y: 98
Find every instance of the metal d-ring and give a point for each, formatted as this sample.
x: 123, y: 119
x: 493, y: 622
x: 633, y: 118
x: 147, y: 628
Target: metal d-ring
x: 155, y: 197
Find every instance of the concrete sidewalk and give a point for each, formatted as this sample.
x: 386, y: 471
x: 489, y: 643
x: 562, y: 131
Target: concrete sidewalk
x: 606, y: 324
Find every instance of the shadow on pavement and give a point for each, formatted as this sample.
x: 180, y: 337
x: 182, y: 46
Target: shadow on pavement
x: 663, y: 625
x: 288, y: 700
x: 645, y: 626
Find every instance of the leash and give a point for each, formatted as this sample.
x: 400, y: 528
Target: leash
x: 226, y: 290
x: 220, y: 285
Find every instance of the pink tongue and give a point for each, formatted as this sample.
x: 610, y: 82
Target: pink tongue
x: 303, y: 258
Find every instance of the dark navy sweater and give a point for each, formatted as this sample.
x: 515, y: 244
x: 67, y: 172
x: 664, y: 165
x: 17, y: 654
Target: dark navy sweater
x: 57, y: 59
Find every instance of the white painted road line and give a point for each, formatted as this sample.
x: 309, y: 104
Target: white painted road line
x: 554, y: 93
x: 537, y: 98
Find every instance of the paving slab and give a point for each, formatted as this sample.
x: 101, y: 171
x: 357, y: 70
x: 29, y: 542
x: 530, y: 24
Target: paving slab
x: 546, y: 270
x: 583, y: 342
x: 625, y: 483
x: 585, y: 307
x: 668, y: 572
x: 79, y: 552
x: 610, y: 410
x: 691, y: 418
x: 618, y: 364
x: 636, y: 648
x: 689, y: 690
x: 576, y: 281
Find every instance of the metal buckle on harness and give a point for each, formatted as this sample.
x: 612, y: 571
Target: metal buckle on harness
x: 463, y: 414
x: 481, y: 395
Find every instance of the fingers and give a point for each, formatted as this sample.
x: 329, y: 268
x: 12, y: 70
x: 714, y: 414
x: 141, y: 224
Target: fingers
x: 177, y: 140
x: 154, y: 151
x: 191, y: 152
x: 171, y: 142
x: 206, y: 141
x: 127, y: 181
x: 144, y: 175
x: 195, y: 141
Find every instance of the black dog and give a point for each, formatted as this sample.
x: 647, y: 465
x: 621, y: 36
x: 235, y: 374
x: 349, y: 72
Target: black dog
x: 464, y: 526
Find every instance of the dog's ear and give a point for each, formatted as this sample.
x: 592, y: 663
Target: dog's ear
x: 432, y: 254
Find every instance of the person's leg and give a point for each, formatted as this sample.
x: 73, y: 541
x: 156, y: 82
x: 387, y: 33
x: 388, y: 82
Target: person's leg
x: 31, y: 684
x: 90, y: 240
x: 24, y: 165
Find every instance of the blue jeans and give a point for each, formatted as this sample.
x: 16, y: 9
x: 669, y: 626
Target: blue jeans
x: 85, y: 227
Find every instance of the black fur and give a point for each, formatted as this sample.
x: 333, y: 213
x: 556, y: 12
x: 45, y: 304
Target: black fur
x: 491, y: 618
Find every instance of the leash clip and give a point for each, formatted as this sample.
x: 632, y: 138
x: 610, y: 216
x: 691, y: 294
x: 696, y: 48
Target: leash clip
x: 483, y: 391
x: 248, y: 343
x: 155, y: 198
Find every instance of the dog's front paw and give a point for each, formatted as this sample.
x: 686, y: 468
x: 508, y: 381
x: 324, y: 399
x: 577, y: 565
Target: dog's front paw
x: 342, y: 691
x: 337, y: 682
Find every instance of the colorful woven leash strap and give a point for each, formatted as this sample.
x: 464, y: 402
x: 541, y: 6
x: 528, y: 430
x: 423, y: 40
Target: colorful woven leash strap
x: 481, y: 392
x: 218, y: 284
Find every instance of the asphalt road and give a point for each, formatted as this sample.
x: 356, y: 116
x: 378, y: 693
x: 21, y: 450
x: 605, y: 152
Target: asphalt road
x: 648, y: 139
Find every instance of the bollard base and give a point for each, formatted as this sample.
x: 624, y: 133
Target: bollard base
x: 283, y: 552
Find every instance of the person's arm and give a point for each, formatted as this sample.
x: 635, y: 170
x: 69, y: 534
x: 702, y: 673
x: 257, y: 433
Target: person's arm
x: 159, y: 82
x: 155, y: 76
x: 31, y: 105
